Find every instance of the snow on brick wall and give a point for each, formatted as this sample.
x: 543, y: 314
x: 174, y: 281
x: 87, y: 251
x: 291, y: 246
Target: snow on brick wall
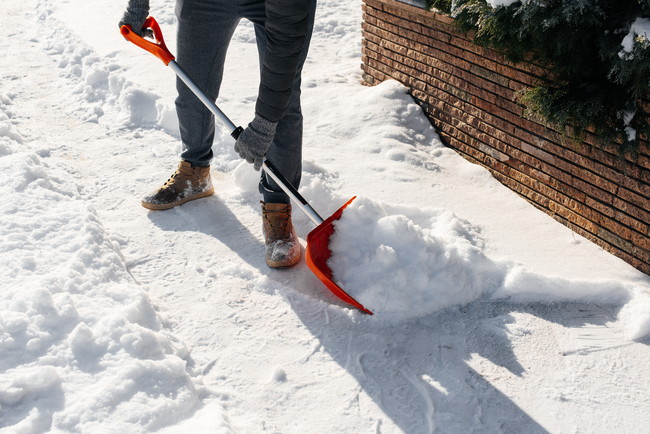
x: 468, y: 92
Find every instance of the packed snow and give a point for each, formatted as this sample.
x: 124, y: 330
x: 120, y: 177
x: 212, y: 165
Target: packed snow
x: 488, y: 315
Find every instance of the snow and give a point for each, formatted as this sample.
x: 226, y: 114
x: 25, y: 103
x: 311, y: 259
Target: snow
x: 402, y: 270
x: 489, y: 315
x: 503, y: 3
x: 640, y: 29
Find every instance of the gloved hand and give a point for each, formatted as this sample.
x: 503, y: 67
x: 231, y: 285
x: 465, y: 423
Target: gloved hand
x: 136, y: 12
x: 255, y: 140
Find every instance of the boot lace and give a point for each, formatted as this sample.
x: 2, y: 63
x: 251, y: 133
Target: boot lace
x: 278, y: 224
x: 171, y: 179
x: 180, y: 172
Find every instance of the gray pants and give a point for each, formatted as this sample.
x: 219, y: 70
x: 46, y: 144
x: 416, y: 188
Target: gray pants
x: 204, y: 32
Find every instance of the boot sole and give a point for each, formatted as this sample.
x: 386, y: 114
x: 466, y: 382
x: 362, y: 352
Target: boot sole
x: 283, y: 264
x: 164, y: 206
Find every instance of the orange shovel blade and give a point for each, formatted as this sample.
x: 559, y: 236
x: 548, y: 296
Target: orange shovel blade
x: 318, y: 253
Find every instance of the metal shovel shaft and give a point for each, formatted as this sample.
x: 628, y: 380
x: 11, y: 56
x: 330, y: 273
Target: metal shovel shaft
x: 300, y: 201
x: 203, y: 97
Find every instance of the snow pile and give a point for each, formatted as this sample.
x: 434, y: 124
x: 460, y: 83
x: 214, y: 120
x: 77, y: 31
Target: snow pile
x: 400, y: 269
x: 82, y: 346
x: 407, y: 263
x: 635, y: 315
x: 639, y: 30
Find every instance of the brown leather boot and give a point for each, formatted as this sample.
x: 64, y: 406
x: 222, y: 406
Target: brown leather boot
x: 187, y: 183
x: 282, y: 245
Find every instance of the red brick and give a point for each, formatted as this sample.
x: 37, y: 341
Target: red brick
x: 641, y: 241
x: 644, y: 162
x: 638, y: 226
x: 615, y: 240
x: 634, y: 198
x: 603, y: 208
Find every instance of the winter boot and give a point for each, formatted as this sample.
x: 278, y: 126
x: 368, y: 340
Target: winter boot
x: 282, y: 245
x: 187, y: 183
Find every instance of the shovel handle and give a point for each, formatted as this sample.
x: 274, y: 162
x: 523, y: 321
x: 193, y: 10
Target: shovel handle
x: 157, y: 48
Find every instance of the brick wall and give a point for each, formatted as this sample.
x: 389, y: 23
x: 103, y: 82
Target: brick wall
x: 468, y: 93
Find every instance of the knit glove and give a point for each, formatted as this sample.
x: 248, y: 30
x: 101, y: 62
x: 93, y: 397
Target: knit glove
x: 255, y: 140
x: 136, y: 12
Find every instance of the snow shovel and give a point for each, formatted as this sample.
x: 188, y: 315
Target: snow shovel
x: 317, y: 251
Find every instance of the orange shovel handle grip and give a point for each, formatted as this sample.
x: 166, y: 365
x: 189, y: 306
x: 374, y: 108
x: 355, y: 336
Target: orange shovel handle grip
x: 157, y: 48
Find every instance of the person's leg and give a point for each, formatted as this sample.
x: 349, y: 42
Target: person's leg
x: 285, y: 152
x: 282, y: 244
x: 204, y: 31
x: 205, y: 28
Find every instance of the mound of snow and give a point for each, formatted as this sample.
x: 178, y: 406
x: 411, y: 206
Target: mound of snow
x: 407, y: 263
x: 400, y: 269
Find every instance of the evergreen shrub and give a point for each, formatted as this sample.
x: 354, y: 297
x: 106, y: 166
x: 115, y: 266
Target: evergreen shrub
x: 596, y: 50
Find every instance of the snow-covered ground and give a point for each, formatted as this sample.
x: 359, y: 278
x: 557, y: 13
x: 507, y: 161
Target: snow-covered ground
x: 489, y: 315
